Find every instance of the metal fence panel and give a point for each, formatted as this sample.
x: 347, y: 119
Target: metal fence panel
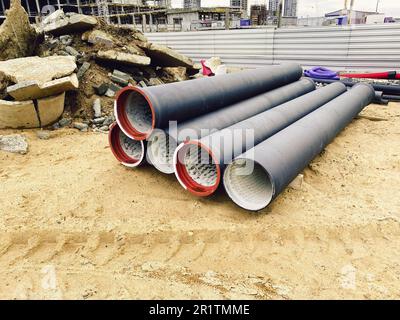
x: 355, y: 48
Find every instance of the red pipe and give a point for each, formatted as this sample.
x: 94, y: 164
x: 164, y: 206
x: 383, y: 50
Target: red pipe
x: 127, y: 151
x: 377, y: 75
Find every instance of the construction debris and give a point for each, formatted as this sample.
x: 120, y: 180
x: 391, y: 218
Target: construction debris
x: 38, y: 69
x: 18, y: 114
x: 76, y: 69
x: 124, y: 57
x: 17, y: 37
x: 26, y: 90
x: 59, y: 24
x: 166, y: 57
x: 50, y: 109
x: 15, y: 143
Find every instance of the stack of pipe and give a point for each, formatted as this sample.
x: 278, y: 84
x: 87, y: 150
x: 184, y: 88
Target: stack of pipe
x: 253, y: 130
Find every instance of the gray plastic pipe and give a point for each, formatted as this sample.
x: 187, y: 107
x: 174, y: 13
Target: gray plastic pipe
x: 129, y: 152
x: 140, y: 110
x: 162, y: 144
x: 258, y: 176
x: 199, y: 164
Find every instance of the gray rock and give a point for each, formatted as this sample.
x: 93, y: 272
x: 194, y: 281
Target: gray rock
x: 15, y: 143
x: 82, y: 70
x: 72, y: 51
x: 97, y: 108
x: 110, y: 93
x: 80, y: 126
x: 43, y: 134
x: 66, y: 40
x: 104, y: 128
x: 120, y: 77
x: 64, y: 122
x: 120, y: 81
x: 101, y: 89
x: 114, y: 87
x: 99, y: 120
x: 108, y: 121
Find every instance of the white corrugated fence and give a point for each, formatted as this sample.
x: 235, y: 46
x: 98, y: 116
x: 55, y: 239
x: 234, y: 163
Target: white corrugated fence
x: 353, y: 48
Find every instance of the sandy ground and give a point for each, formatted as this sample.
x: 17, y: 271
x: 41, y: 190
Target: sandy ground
x: 74, y: 224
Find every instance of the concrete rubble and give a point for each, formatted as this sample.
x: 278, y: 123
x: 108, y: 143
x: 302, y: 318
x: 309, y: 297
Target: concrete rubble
x: 27, y: 90
x: 166, y: 57
x: 72, y: 76
x: 124, y: 57
x: 17, y: 36
x: 39, y: 69
x: 60, y: 24
x: 15, y: 143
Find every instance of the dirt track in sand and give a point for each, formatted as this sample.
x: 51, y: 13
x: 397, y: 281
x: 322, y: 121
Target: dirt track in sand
x: 74, y: 224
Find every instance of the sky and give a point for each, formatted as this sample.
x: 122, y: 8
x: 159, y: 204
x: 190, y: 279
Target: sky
x: 317, y: 8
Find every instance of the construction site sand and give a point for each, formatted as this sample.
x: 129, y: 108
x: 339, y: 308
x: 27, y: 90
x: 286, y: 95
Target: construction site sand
x: 74, y: 224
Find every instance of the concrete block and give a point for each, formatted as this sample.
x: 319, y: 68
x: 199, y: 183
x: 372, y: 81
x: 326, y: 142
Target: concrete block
x: 27, y: 90
x: 50, y: 109
x: 18, y: 114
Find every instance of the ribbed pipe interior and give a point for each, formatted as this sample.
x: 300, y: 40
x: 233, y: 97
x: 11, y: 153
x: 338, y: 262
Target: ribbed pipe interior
x: 160, y: 152
x: 132, y: 148
x: 199, y: 166
x: 138, y: 112
x: 248, y: 184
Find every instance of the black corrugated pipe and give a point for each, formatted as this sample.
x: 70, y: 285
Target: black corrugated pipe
x: 162, y: 144
x: 387, y: 89
x: 257, y: 177
x: 139, y: 110
x: 128, y: 152
x: 199, y: 164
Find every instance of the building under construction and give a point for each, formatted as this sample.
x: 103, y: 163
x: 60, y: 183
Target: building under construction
x: 258, y: 15
x: 135, y: 12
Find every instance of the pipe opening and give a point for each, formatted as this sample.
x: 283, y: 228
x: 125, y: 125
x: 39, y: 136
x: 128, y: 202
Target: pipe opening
x: 134, y: 113
x: 127, y: 151
x: 160, y: 152
x: 248, y: 184
x: 196, y: 169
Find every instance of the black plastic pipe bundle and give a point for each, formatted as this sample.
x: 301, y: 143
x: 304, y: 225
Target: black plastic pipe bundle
x: 386, y: 89
x: 199, y: 164
x: 258, y: 176
x: 162, y: 144
x: 140, y: 110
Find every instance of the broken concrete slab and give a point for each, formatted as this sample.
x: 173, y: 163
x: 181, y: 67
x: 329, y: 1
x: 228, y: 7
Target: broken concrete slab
x: 67, y: 25
x: 122, y: 57
x: 98, y: 37
x: 36, y: 68
x: 50, y: 109
x: 17, y: 36
x: 166, y: 57
x: 18, y: 114
x: 15, y: 143
x: 27, y: 90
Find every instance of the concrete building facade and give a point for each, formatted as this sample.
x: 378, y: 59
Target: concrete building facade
x: 191, y: 4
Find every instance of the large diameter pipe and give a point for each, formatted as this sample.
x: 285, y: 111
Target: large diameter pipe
x: 258, y: 176
x: 162, y: 144
x: 199, y: 164
x: 139, y: 110
x: 129, y: 152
